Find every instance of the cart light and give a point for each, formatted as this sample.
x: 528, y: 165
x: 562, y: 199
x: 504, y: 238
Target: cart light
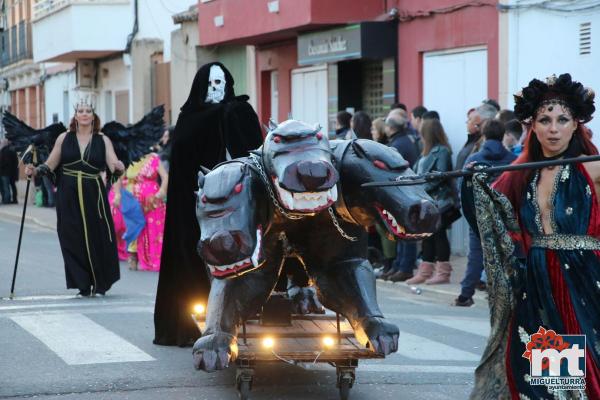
x: 268, y: 343
x: 328, y: 341
x: 199, y: 309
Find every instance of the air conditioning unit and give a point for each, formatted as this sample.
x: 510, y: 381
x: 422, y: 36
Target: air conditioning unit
x: 86, y: 74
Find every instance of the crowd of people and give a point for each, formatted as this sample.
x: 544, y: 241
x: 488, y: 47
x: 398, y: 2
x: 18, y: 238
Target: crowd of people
x: 494, y: 137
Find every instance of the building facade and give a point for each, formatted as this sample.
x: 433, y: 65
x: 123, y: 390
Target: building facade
x: 21, y: 80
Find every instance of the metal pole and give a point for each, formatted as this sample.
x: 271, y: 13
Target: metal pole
x: 339, y: 332
x: 12, y: 286
x: 408, y: 180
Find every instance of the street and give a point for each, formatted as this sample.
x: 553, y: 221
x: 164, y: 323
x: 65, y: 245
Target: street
x: 53, y: 345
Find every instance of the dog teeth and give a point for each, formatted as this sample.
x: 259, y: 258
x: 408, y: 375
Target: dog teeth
x: 311, y: 201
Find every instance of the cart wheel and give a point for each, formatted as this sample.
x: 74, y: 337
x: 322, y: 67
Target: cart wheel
x: 345, y: 385
x: 244, y: 390
x: 243, y: 382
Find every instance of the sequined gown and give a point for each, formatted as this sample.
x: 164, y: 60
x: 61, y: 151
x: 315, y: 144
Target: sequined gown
x: 559, y: 287
x: 84, y: 223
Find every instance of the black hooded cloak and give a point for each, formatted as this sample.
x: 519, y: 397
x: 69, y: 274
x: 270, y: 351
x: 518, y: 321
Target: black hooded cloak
x: 202, y: 133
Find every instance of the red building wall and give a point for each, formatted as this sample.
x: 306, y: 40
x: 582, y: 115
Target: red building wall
x: 250, y: 22
x: 282, y: 57
x: 453, y: 24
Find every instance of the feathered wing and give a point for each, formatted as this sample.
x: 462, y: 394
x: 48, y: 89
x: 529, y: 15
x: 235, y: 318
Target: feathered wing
x: 133, y: 142
x: 22, y: 135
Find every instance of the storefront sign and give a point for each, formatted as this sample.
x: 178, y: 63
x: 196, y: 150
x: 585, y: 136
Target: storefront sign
x: 334, y: 45
x: 349, y: 42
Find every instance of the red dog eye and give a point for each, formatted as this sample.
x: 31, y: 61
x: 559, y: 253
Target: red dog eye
x: 238, y: 188
x: 277, y: 138
x: 380, y: 164
x: 319, y: 136
x: 203, y: 198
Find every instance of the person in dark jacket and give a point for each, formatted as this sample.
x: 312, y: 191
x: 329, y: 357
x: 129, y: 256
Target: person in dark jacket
x: 494, y: 154
x: 9, y: 171
x: 436, y: 248
x: 401, y: 139
x: 342, y: 125
x: 475, y: 118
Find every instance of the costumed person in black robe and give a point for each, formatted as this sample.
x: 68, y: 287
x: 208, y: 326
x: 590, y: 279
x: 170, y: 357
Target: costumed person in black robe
x: 214, y: 125
x: 84, y: 223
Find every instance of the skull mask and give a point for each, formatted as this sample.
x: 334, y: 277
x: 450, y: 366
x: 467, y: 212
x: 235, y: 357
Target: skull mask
x: 216, y: 85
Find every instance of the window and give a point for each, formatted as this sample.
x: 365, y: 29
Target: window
x: 585, y: 38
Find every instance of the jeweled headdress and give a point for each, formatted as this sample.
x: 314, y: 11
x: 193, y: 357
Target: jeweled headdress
x: 84, y: 99
x: 562, y: 90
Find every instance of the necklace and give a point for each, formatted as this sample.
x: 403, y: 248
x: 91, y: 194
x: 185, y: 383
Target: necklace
x: 555, y: 157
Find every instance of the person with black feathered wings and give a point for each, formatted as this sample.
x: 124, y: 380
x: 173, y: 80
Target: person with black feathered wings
x: 214, y: 125
x: 84, y: 224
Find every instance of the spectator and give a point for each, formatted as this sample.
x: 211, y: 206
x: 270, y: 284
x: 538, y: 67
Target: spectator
x: 401, y: 139
x: 513, y: 130
x: 361, y: 125
x: 342, y: 125
x: 475, y: 118
x: 9, y: 170
x: 416, y: 117
x: 378, y: 130
x: 431, y: 115
x: 397, y: 106
x: 436, y: 156
x: 493, y: 103
x: 505, y: 115
x: 495, y: 154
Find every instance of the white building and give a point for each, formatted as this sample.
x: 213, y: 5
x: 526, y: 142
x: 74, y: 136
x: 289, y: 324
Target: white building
x: 117, y: 49
x: 550, y: 38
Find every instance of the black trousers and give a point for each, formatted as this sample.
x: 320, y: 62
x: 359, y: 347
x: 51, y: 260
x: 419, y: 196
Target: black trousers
x: 436, y: 247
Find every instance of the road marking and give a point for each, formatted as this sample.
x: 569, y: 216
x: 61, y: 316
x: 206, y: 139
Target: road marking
x: 78, y: 340
x: 469, y: 325
x: 404, y: 369
x: 43, y: 297
x: 76, y: 303
x: 421, y: 348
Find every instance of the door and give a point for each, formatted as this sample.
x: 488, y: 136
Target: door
x: 309, y: 95
x: 453, y: 82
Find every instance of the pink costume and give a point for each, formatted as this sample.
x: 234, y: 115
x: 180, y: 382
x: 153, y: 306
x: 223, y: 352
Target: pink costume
x: 144, y: 186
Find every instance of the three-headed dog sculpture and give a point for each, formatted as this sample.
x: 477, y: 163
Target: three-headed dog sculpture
x: 301, y: 193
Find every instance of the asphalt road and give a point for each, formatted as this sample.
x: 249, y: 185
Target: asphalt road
x: 56, y: 346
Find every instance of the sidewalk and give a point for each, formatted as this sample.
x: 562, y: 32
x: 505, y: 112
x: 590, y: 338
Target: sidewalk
x: 451, y: 290
x: 46, y: 217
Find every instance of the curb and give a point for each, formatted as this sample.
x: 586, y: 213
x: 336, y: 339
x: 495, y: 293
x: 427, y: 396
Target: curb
x: 28, y: 220
x: 425, y: 289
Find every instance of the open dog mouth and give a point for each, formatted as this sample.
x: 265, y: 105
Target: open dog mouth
x: 306, y: 201
x: 242, y: 266
x: 394, y: 227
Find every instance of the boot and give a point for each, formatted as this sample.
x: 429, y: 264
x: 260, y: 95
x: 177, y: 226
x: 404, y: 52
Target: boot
x: 423, y: 273
x: 441, y: 275
x: 132, y: 260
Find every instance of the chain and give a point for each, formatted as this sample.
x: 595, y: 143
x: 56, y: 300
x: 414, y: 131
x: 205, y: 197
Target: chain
x: 270, y: 190
x: 339, y: 228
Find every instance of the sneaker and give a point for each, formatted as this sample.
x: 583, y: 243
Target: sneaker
x: 481, y: 286
x: 461, y: 301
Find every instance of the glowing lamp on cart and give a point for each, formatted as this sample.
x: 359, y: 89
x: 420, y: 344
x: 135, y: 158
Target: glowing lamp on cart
x: 268, y: 342
x: 328, y: 342
x: 199, y: 309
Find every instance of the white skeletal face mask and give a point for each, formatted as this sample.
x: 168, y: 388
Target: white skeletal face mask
x: 216, y: 85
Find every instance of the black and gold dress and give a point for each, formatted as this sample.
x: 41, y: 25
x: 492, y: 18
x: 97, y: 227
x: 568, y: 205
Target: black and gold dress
x: 84, y: 223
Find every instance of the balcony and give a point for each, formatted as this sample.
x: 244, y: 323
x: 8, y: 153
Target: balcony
x: 262, y: 21
x: 68, y: 30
